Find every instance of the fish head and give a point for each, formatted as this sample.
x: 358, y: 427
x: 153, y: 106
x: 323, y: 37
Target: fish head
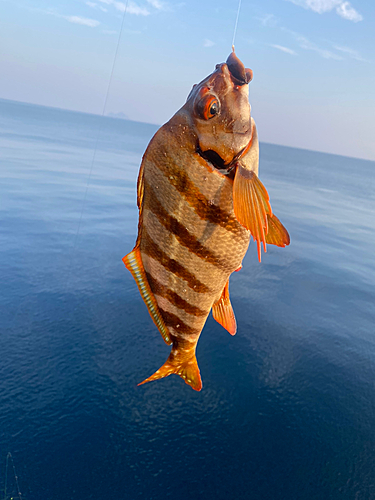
x: 219, y: 112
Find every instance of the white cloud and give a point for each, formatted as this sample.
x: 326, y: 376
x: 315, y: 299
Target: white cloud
x: 319, y: 6
x: 82, y: 20
x: 94, y: 5
x: 268, y: 20
x: 208, y: 43
x: 132, y: 7
x: 346, y: 11
x: 305, y: 44
x: 343, y: 8
x: 284, y: 49
x: 350, y: 52
x: 157, y: 4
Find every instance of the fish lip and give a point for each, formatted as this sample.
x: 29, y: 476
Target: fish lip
x: 239, y: 74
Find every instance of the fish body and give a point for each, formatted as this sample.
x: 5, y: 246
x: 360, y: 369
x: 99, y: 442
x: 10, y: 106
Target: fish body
x: 197, y: 169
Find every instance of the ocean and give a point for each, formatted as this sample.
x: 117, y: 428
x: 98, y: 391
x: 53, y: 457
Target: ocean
x: 287, y: 409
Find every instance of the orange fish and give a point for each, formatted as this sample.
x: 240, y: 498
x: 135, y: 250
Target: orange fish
x: 200, y: 200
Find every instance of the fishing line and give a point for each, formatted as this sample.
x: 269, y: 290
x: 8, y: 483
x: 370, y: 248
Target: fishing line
x: 91, y: 169
x: 9, y: 456
x: 235, y: 26
x: 99, y: 130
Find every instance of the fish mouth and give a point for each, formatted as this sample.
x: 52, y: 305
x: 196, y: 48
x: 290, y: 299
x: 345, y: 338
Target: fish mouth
x: 212, y: 157
x: 217, y: 161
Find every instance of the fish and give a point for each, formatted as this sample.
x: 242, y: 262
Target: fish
x: 200, y: 200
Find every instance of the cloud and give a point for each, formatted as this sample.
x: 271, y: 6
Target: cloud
x: 208, y: 43
x: 158, y: 5
x: 94, y: 5
x: 268, y: 20
x: 350, y: 52
x: 132, y: 7
x: 305, y: 44
x: 343, y: 8
x: 284, y: 49
x: 82, y: 20
x: 346, y: 11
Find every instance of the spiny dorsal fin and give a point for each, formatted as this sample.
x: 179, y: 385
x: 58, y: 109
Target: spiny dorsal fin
x: 222, y: 311
x: 133, y: 262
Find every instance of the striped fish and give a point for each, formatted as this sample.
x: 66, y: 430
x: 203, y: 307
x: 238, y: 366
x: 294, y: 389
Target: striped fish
x: 200, y: 200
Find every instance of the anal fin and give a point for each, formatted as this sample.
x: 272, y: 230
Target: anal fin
x: 133, y: 263
x: 222, y: 311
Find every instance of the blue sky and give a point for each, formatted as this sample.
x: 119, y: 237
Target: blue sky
x: 313, y: 61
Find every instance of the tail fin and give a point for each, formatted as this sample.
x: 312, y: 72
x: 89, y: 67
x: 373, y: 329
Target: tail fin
x: 186, y: 368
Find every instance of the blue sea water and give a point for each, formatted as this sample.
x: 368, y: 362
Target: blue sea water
x: 287, y: 409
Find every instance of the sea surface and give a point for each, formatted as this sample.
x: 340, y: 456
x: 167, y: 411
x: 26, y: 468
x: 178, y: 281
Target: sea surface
x: 287, y: 409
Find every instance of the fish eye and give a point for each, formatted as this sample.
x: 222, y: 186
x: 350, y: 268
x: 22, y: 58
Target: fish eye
x: 208, y: 107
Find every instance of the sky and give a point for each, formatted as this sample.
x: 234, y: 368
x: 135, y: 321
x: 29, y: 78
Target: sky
x: 313, y: 61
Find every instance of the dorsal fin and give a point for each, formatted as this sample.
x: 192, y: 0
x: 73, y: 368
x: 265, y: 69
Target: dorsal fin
x: 222, y: 311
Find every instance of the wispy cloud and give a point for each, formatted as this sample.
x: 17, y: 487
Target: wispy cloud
x: 132, y: 7
x: 284, y: 49
x: 306, y: 44
x: 83, y: 21
x: 268, y: 20
x: 354, y: 54
x: 94, y: 5
x: 343, y: 8
x: 92, y: 23
x: 346, y: 11
x: 208, y: 43
x: 158, y: 5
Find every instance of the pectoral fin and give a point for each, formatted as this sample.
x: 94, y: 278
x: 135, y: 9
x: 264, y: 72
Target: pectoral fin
x: 251, y: 205
x: 222, y: 311
x: 133, y: 262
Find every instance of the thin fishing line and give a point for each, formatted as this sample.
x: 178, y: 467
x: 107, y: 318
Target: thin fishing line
x: 6, y: 477
x: 91, y: 168
x: 235, y: 26
x: 99, y: 130
x: 9, y: 456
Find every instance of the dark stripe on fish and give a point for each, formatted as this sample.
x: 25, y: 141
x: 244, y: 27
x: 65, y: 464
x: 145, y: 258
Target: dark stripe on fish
x: 204, y: 208
x: 159, y: 289
x: 184, y: 237
x: 174, y: 321
x: 149, y: 247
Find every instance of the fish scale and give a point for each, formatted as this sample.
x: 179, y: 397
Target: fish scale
x: 200, y: 201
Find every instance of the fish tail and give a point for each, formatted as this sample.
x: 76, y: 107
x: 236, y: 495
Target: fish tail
x: 184, y: 366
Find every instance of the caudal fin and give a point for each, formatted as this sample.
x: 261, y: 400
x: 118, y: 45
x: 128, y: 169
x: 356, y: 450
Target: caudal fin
x: 186, y: 368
